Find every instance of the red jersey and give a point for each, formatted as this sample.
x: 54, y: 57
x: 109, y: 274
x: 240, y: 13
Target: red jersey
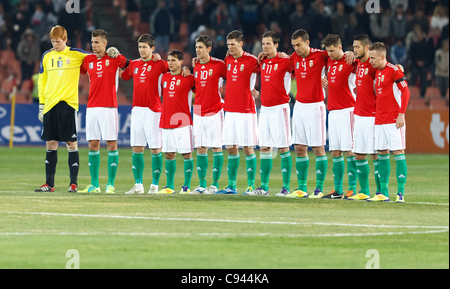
x: 208, y: 80
x: 366, y: 100
x: 341, y: 84
x: 104, y: 79
x: 392, y: 94
x: 146, y: 82
x: 177, y: 98
x: 241, y: 80
x: 309, y: 71
x: 275, y: 81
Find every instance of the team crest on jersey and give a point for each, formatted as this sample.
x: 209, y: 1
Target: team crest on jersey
x: 178, y: 82
x: 242, y: 67
x: 91, y: 65
x: 165, y: 84
x: 311, y: 63
x: 382, y: 78
x: 68, y: 61
x: 275, y: 67
x: 107, y: 62
x: 340, y: 67
x: 367, y: 71
x: 229, y: 66
x: 210, y: 72
x: 149, y: 68
x: 297, y: 65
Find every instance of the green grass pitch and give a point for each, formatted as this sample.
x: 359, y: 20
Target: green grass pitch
x: 213, y: 231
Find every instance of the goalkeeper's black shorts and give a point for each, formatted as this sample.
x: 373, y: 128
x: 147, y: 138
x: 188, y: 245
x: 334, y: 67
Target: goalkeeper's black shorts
x: 60, y: 123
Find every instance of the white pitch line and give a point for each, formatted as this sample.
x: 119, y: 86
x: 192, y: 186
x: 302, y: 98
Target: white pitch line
x: 229, y: 221
x: 219, y: 234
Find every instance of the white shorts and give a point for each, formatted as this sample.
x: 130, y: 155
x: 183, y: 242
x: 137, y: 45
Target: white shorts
x: 364, y: 135
x: 208, y: 130
x: 145, y: 128
x: 388, y: 136
x: 340, y: 129
x: 177, y: 140
x: 240, y: 129
x: 102, y: 123
x: 274, y: 126
x: 309, y: 124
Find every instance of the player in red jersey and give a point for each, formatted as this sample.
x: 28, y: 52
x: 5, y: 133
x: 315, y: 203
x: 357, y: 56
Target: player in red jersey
x: 341, y: 103
x: 176, y: 122
x: 101, y: 112
x: 209, y: 74
x: 392, y: 100
x: 240, y: 125
x: 274, y: 128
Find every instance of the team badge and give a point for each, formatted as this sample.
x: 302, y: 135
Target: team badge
x: 178, y: 82
x: 68, y: 61
x: 107, y: 62
x: 242, y: 67
x: 340, y: 67
x: 136, y: 70
x: 149, y: 68
x: 382, y: 78
x: 311, y: 63
x: 229, y: 66
x: 165, y: 84
x: 210, y: 72
x: 367, y: 71
x: 264, y: 66
x: 276, y: 67
x: 297, y: 66
x: 91, y: 65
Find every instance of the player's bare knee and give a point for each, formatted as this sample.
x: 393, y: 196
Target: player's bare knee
x: 202, y: 150
x: 249, y: 151
x: 283, y: 150
x: 156, y: 151
x: 349, y: 154
x: 111, y: 145
x: 51, y: 145
x: 266, y: 150
x: 336, y: 154
x: 187, y: 156
x: 399, y: 152
x: 138, y: 150
x: 217, y: 150
x: 233, y: 150
x: 170, y: 156
x: 374, y: 157
x: 301, y: 150
x: 360, y: 157
x: 319, y: 151
x: 72, y: 145
x: 94, y: 145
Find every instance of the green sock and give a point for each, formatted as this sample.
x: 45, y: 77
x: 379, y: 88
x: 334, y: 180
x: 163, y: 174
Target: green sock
x: 232, y: 168
x: 251, y: 170
x: 338, y: 173
x: 188, y: 169
x: 266, y: 168
x: 202, y: 168
x: 352, y: 175
x: 362, y: 170
x: 402, y: 172
x: 376, y: 165
x: 217, y: 168
x: 286, y: 168
x: 321, y: 171
x: 94, y: 165
x: 137, y: 160
x: 157, y: 161
x: 385, y: 171
x: 113, y: 162
x: 171, y: 168
x: 301, y: 166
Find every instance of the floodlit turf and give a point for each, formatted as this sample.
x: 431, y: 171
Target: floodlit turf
x: 190, y: 231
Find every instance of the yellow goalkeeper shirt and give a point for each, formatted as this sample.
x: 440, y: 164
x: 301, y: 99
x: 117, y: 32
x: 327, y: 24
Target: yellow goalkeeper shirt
x: 59, y: 74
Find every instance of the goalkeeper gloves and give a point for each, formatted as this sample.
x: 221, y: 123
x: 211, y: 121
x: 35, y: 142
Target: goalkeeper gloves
x: 41, y: 113
x: 112, y: 52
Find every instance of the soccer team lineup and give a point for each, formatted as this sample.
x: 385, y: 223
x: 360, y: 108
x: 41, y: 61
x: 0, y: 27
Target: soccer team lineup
x: 366, y: 100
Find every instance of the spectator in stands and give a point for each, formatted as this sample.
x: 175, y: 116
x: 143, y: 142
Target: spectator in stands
x: 39, y: 22
x: 248, y: 19
x: 146, y: 7
x: 419, y: 19
x: 399, y: 52
x: 363, y: 18
x: 21, y: 21
x: 29, y: 54
x: 220, y: 19
x: 440, y: 18
x: 379, y: 25
x: 352, y: 29
x: 299, y: 19
x: 442, y: 68
x: 72, y: 23
x: 221, y: 50
x: 5, y: 23
x: 435, y: 39
x: 398, y: 23
x: 197, y: 18
x: 276, y: 14
x: 445, y: 32
x: 421, y: 56
x: 339, y: 19
x: 395, y: 3
x: 320, y: 24
x: 89, y: 20
x: 412, y: 36
x: 175, y: 10
x: 162, y: 27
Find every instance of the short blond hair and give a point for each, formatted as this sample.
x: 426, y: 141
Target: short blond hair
x: 378, y: 46
x: 58, y: 32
